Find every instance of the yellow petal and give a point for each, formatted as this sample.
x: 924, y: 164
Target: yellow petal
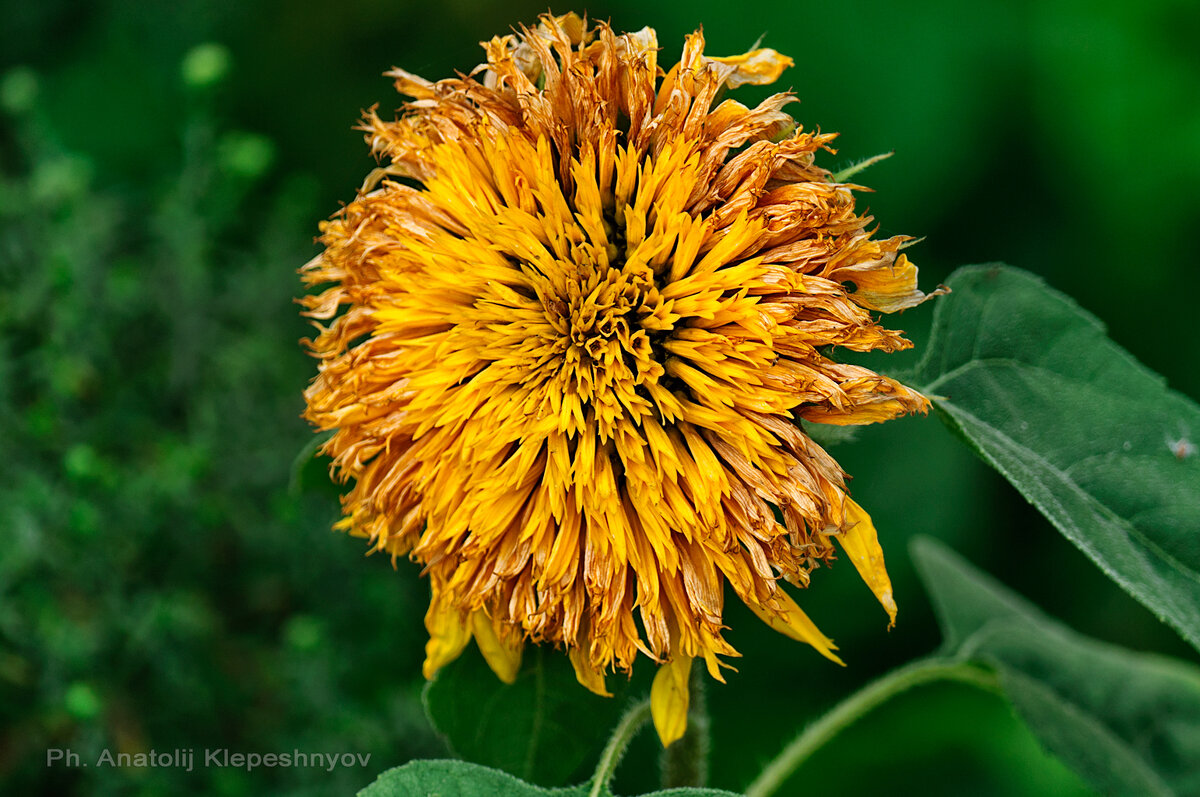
x: 504, y: 659
x: 861, y: 543
x: 448, y: 635
x: 887, y: 284
x: 586, y: 674
x: 794, y: 623
x: 757, y: 67
x: 669, y: 699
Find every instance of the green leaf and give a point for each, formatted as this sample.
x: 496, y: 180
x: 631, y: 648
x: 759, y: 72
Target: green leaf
x: 1129, y: 723
x: 541, y: 728
x: 455, y: 779
x: 460, y: 779
x: 1089, y: 436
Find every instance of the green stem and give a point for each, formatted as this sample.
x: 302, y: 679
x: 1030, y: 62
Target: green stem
x: 685, y: 763
x: 627, y: 728
x: 846, y: 713
x: 850, y: 171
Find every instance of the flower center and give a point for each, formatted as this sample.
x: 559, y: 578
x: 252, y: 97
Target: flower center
x: 597, y: 325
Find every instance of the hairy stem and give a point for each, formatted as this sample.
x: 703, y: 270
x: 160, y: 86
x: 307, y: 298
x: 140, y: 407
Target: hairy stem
x: 846, y: 713
x: 627, y: 728
x: 850, y: 171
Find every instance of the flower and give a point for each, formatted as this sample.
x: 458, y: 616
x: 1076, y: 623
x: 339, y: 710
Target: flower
x: 579, y: 317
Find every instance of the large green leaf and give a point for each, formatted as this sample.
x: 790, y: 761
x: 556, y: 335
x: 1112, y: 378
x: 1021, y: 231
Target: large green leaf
x: 541, y: 728
x: 1129, y: 723
x: 460, y: 779
x: 454, y: 779
x: 1088, y: 435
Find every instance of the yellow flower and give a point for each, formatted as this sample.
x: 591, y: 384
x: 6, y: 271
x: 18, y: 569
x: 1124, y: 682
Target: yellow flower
x: 578, y: 317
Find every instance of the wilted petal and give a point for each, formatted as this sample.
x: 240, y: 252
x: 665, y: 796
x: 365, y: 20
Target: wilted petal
x: 756, y: 68
x: 669, y: 699
x: 791, y: 621
x: 888, y: 284
x: 448, y: 635
x: 504, y: 659
x: 860, y: 541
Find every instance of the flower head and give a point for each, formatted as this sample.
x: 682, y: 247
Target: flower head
x: 586, y: 314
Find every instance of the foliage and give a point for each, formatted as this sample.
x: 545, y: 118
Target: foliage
x: 1087, y: 434
x: 1128, y: 722
x: 459, y: 779
x: 541, y: 728
x: 162, y: 589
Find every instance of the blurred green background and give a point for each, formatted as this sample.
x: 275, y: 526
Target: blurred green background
x: 168, y: 578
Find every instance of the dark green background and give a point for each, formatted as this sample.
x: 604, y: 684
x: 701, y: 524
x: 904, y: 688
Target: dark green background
x: 167, y: 579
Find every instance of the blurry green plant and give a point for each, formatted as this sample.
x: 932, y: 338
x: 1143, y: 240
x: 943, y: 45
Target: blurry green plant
x: 160, y: 586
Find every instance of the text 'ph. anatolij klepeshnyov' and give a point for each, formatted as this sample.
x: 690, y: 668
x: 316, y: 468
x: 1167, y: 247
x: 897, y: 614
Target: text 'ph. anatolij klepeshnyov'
x: 575, y: 321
